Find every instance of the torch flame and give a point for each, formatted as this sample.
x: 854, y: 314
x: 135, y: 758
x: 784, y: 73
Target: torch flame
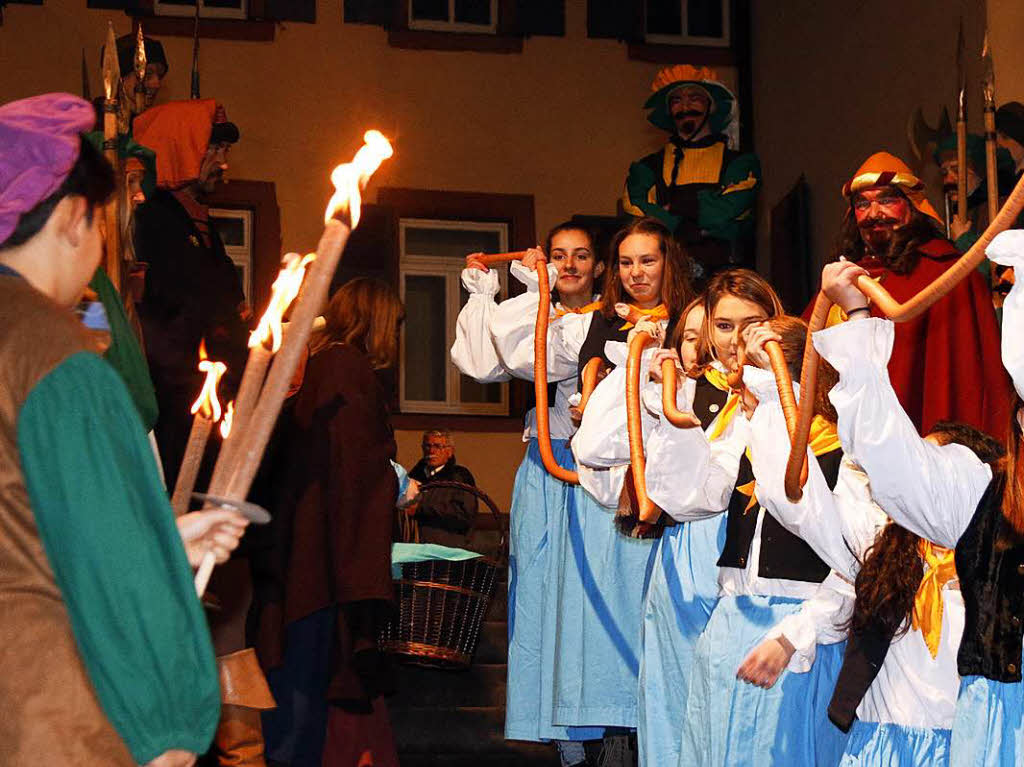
x: 285, y: 288
x: 207, y: 401
x: 351, y: 178
x: 229, y: 415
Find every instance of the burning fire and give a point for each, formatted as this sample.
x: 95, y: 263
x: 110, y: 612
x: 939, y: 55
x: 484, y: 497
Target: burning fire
x: 350, y: 178
x: 229, y: 415
x: 207, y: 401
x: 285, y: 288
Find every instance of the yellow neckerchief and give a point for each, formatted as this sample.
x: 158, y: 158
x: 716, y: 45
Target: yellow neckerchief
x: 593, y: 306
x: 659, y: 312
x: 927, y: 614
x: 823, y: 439
x: 717, y: 378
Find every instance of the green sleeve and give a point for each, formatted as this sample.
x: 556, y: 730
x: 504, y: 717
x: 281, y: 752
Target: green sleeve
x: 125, y: 355
x: 727, y: 212
x: 111, y: 540
x: 638, y: 183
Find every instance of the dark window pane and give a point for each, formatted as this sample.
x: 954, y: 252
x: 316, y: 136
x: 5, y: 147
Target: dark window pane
x: 231, y: 230
x: 704, y: 18
x: 449, y: 243
x: 426, y: 350
x: 664, y: 17
x: 473, y: 11
x: 430, y: 10
x: 189, y: 3
x: 236, y: 4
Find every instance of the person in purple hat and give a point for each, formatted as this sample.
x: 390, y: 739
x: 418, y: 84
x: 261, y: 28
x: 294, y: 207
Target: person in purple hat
x: 106, y: 658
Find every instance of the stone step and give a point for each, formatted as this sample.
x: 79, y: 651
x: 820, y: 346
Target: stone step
x: 482, y: 685
x: 464, y: 730
x: 493, y: 644
x: 518, y: 755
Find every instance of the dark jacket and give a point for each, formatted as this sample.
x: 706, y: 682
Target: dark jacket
x: 445, y: 515
x: 192, y: 294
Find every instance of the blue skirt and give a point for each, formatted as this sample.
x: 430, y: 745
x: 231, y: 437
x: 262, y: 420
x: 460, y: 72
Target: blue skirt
x: 682, y: 592
x: 538, y: 506
x: 872, y: 744
x: 988, y: 728
x: 731, y: 723
x: 601, y: 580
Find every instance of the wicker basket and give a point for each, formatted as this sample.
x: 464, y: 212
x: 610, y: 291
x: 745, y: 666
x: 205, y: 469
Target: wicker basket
x: 442, y: 604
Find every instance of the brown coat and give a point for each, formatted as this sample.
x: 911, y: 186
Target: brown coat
x: 338, y: 506
x: 51, y: 714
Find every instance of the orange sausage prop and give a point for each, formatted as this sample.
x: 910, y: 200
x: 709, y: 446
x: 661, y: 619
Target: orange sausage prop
x: 896, y: 312
x: 540, y: 365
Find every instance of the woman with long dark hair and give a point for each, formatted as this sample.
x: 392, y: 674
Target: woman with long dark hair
x: 950, y: 496
x: 537, y: 515
x: 337, y: 510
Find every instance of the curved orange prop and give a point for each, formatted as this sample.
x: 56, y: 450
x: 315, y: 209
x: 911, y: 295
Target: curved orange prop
x: 647, y: 511
x: 500, y: 258
x: 669, y: 404
x: 895, y: 311
x: 540, y: 379
x: 589, y: 374
x: 540, y: 366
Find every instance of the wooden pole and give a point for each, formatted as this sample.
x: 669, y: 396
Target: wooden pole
x: 111, y: 80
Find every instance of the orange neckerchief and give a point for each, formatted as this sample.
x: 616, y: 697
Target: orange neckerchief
x: 659, y: 312
x: 927, y: 614
x: 593, y: 306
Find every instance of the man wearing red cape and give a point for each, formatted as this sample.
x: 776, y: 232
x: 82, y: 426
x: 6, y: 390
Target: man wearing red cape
x: 945, y: 363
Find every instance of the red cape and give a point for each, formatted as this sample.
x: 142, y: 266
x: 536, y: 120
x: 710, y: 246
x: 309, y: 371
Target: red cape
x: 946, y: 363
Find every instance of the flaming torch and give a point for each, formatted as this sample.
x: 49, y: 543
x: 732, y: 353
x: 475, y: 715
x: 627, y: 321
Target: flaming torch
x: 207, y: 411
x: 340, y: 218
x: 268, y: 331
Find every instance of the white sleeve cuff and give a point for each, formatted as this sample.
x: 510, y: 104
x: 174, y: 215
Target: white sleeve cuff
x: 481, y: 283
x: 1007, y: 248
x: 849, y: 345
x: 801, y: 634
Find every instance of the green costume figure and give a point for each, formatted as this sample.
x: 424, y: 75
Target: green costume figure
x: 107, y: 657
x: 699, y: 185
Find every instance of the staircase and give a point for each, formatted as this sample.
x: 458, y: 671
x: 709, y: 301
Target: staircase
x: 457, y: 718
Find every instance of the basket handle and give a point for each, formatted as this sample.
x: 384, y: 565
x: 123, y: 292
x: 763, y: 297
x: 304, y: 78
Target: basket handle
x: 426, y: 487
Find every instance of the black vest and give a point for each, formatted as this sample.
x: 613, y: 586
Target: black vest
x: 990, y: 565
x: 601, y: 330
x: 783, y: 554
x: 708, y: 401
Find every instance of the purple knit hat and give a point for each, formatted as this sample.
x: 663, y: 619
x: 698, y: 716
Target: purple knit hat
x: 39, y: 144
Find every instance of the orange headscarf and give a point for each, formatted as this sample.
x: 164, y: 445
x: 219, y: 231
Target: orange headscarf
x: 179, y: 133
x: 884, y: 169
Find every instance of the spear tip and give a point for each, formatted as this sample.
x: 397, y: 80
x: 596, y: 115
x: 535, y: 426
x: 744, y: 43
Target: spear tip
x: 111, y: 69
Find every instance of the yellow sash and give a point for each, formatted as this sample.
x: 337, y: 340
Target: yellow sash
x: 927, y: 614
x: 717, y: 378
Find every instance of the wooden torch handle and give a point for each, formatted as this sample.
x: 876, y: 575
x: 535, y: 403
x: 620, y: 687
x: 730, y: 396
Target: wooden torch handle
x: 540, y: 379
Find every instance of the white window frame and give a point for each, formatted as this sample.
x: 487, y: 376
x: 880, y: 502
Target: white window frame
x: 451, y: 270
x: 161, y: 8
x: 685, y: 39
x: 434, y: 25
x: 241, y: 255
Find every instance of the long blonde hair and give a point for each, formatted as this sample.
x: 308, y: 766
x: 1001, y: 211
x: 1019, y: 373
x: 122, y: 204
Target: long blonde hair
x: 364, y: 313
